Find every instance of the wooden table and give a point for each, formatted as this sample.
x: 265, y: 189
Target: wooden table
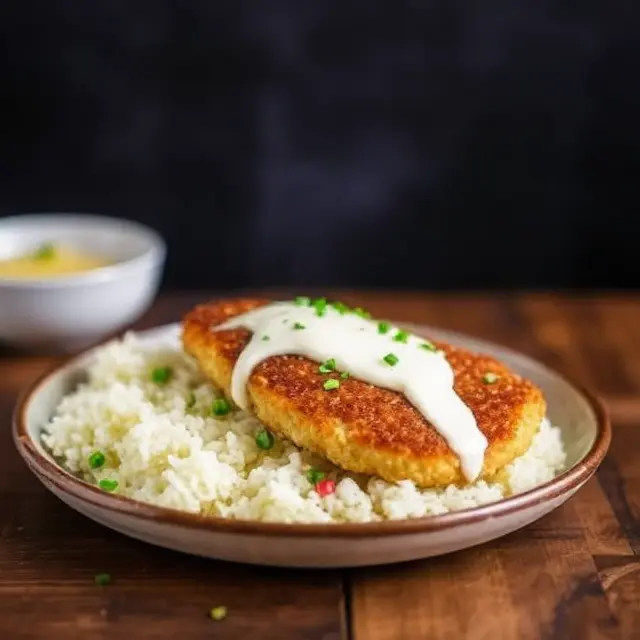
x: 574, y: 574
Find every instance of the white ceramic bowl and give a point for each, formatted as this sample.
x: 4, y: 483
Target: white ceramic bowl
x: 73, y: 311
x: 586, y: 434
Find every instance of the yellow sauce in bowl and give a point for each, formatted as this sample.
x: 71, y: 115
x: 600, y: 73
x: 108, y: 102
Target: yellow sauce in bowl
x: 50, y: 261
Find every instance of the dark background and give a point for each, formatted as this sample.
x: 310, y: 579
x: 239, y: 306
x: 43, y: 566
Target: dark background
x: 476, y: 144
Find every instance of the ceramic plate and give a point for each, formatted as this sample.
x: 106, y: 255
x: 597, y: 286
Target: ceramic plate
x: 585, y: 429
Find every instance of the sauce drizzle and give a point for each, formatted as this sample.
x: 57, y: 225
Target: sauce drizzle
x: 360, y: 347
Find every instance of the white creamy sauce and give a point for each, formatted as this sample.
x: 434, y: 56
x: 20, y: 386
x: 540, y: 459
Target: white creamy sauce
x: 424, y: 377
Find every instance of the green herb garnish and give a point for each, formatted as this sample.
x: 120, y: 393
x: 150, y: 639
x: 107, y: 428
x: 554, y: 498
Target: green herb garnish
x: 327, y: 366
x: 359, y: 311
x: 391, y: 359
x: 45, y: 252
x: 428, y: 346
x: 220, y: 407
x: 303, y: 301
x: 490, y: 377
x: 320, y: 305
x: 344, y: 375
x: 190, y: 402
x: 218, y: 613
x: 264, y: 439
x: 161, y: 375
x: 108, y: 485
x: 265, y: 338
x: 340, y: 307
x: 401, y: 336
x: 383, y: 327
x: 298, y: 326
x: 314, y: 476
x: 96, y: 460
x: 102, y: 579
x: 331, y: 384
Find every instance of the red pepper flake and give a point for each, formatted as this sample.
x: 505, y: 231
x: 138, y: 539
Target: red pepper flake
x: 325, y: 487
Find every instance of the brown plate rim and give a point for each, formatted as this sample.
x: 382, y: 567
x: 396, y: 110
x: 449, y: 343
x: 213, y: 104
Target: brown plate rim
x: 47, y: 469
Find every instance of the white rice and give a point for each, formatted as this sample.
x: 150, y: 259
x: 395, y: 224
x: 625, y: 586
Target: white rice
x: 162, y: 452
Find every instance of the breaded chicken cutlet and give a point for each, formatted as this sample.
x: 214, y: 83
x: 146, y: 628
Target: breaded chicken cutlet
x: 360, y: 427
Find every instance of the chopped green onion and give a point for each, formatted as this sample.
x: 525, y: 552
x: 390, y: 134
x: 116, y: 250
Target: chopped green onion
x: 328, y: 366
x: 359, y: 311
x: 265, y: 338
x: 320, y: 305
x: 383, y: 327
x: 428, y: 346
x: 344, y: 375
x: 218, y: 613
x: 490, y: 377
x: 401, y: 336
x: 391, y: 359
x: 96, y: 460
x: 161, y: 375
x: 44, y: 252
x: 331, y: 384
x: 264, y: 439
x: 220, y: 407
x: 340, y: 307
x: 314, y: 476
x: 108, y: 485
x: 298, y: 326
x: 190, y: 401
x: 102, y: 579
x: 303, y: 301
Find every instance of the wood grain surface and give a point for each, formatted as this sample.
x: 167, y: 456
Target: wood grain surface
x: 573, y: 574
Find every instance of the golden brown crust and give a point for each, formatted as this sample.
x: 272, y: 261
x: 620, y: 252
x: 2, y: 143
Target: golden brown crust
x: 360, y: 427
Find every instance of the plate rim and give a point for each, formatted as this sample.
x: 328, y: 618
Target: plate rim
x: 569, y: 481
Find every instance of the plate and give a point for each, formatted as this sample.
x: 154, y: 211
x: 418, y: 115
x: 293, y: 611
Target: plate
x: 581, y: 416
